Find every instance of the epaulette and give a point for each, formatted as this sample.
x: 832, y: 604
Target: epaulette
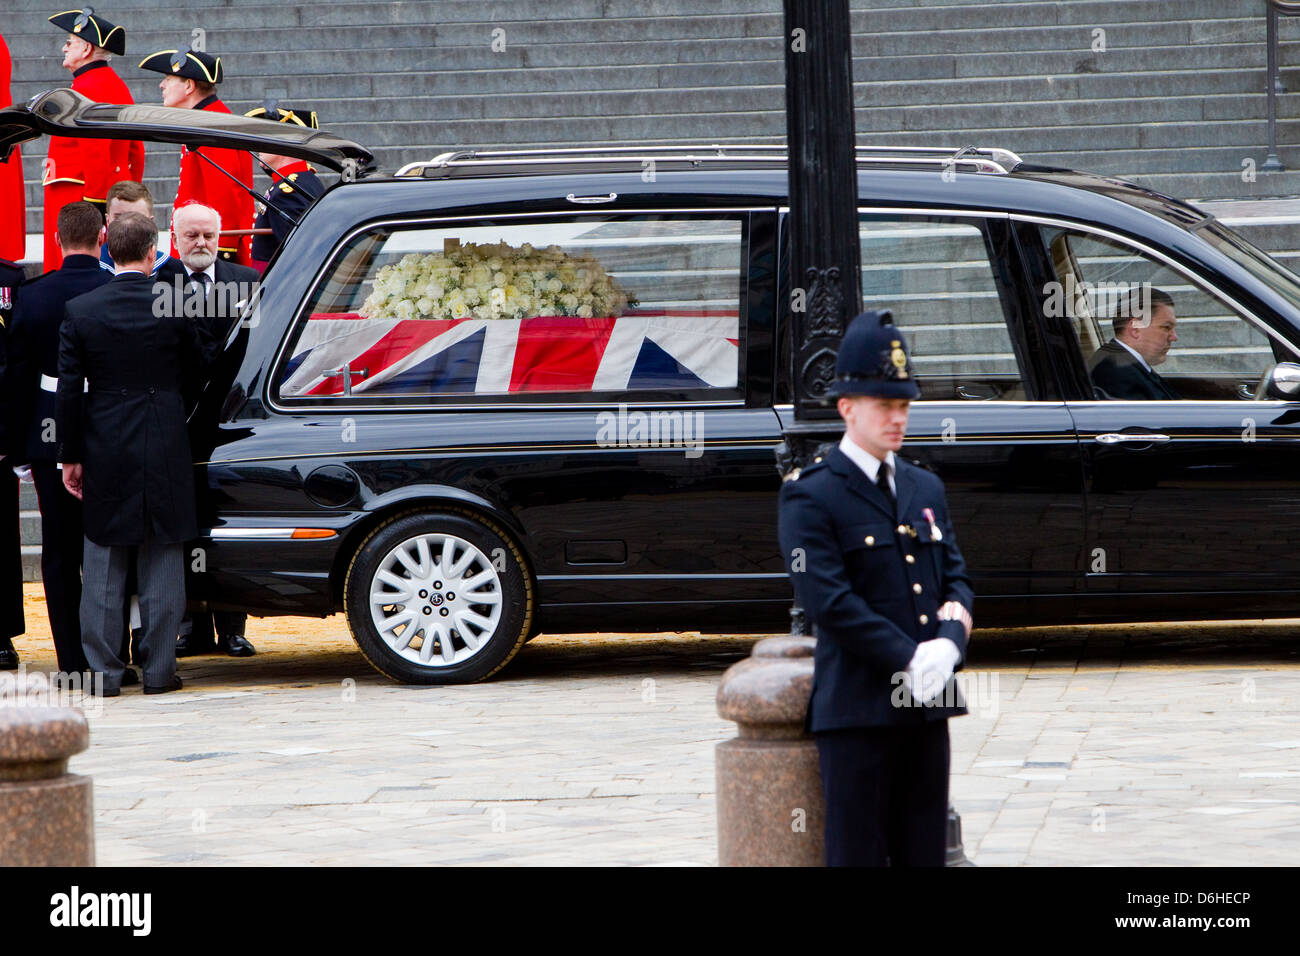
x: 797, y: 473
x: 285, y: 187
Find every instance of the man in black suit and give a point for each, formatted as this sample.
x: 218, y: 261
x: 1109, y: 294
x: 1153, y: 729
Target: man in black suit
x: 122, y: 436
x: 34, y: 371
x: 11, y: 559
x: 873, y: 558
x: 223, y: 287
x: 1124, y: 368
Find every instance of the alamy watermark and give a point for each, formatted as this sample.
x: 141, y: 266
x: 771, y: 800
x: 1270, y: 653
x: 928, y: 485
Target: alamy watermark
x: 977, y: 689
x: 182, y: 297
x: 658, y: 429
x: 21, y: 688
x: 1104, y: 299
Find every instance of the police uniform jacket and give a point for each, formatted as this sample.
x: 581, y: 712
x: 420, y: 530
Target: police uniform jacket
x: 199, y: 182
x: 292, y: 195
x: 96, y: 164
x: 128, y: 430
x: 34, y: 353
x: 871, y: 581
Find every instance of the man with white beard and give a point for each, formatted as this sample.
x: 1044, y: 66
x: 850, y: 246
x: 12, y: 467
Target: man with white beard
x: 196, y: 230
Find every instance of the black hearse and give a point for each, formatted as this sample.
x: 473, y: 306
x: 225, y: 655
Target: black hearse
x: 501, y: 392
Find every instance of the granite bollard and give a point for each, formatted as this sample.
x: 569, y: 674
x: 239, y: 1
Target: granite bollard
x: 769, y: 789
x: 46, y: 813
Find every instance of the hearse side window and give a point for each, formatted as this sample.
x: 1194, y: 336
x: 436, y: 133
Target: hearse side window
x: 936, y: 277
x: 1183, y: 341
x: 525, y: 308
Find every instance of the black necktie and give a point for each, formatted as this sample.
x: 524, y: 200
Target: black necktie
x: 201, y: 279
x: 882, y: 482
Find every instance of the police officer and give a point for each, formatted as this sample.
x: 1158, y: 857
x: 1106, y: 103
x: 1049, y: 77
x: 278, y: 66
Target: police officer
x: 190, y: 80
x: 294, y: 185
x: 875, y: 565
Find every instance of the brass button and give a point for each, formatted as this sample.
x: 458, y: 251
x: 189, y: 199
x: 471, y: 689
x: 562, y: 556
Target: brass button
x: 925, y: 619
x: 909, y: 559
x: 916, y: 588
x: 816, y: 460
x: 902, y: 529
x: 870, y: 540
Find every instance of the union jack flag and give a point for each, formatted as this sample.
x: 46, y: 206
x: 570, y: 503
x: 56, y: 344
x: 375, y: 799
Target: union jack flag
x: 643, y: 349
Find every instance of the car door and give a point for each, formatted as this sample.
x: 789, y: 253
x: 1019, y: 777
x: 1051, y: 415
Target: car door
x: 1195, y: 495
x: 990, y: 421
x: 631, y: 445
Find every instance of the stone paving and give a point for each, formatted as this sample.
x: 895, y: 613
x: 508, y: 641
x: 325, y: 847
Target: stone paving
x: 1173, y: 744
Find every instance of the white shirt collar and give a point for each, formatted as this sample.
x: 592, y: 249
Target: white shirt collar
x: 210, y: 271
x: 126, y: 272
x: 1136, y: 355
x: 868, y: 462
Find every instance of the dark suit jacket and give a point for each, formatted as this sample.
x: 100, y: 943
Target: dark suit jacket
x: 128, y: 430
x: 292, y: 195
x: 34, y: 351
x: 234, y: 284
x: 1117, y: 373
x: 849, y: 565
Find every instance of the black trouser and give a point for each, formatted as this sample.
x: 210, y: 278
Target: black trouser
x: 61, y: 548
x: 886, y: 794
x: 198, y: 625
x: 11, y: 559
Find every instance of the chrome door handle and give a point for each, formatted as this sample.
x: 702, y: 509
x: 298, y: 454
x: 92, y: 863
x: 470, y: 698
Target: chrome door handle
x: 1114, y: 438
x: 591, y: 200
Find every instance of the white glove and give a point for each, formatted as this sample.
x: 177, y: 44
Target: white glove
x: 931, y: 668
x: 23, y: 473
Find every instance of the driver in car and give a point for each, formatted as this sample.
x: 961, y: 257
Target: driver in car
x: 1124, y: 368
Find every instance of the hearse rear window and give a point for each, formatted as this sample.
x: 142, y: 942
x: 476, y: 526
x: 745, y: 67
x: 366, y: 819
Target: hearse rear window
x: 525, y: 308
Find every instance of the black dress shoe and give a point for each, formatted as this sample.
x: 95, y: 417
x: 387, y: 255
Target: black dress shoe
x: 187, y: 646
x: 8, y: 656
x: 234, y: 645
x: 130, y: 678
x: 173, y: 684
x: 101, y: 690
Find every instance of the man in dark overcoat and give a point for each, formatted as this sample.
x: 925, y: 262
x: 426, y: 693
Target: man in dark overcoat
x: 34, y: 376
x: 126, y: 454
x: 212, y: 291
x: 875, y: 565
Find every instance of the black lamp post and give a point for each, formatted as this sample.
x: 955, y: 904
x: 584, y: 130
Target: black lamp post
x: 825, y: 252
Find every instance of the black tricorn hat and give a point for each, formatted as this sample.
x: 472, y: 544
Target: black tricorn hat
x: 271, y: 110
x: 187, y: 64
x: 93, y: 28
x: 873, y: 360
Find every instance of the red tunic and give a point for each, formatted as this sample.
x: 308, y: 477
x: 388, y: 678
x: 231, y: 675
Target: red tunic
x: 13, y: 208
x: 201, y: 183
x: 86, y: 168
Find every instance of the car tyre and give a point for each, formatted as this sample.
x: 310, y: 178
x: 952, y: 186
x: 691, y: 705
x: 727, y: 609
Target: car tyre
x: 439, y: 598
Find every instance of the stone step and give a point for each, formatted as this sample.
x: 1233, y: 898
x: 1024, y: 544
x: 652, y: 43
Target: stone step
x: 27, y: 497
x: 867, y: 14
x: 29, y: 525
x: 31, y: 555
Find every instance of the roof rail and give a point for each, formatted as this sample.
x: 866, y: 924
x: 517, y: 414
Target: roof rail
x: 485, y: 162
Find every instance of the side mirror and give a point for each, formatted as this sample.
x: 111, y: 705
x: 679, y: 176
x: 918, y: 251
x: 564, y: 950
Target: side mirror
x: 1281, y: 382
